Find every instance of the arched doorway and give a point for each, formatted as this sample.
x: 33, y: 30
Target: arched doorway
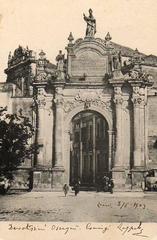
x: 89, y: 147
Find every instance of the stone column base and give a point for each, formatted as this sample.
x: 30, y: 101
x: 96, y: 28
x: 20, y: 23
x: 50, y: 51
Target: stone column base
x: 122, y: 179
x: 42, y: 180
x: 22, y: 179
x: 137, y: 179
x: 48, y: 179
x: 58, y: 178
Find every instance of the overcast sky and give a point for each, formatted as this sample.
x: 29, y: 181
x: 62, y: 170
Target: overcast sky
x: 45, y: 24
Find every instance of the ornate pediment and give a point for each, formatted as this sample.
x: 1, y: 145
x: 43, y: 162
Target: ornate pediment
x: 90, y: 59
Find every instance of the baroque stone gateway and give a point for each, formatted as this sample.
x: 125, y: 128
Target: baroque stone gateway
x: 94, y: 112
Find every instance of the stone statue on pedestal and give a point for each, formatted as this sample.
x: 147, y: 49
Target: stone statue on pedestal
x: 91, y: 24
x: 117, y: 61
x: 60, y: 66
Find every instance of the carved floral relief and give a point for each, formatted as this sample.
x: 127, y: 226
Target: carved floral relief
x: 87, y: 99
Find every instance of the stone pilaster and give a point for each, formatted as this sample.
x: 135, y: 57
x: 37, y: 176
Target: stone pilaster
x: 126, y: 112
x: 142, y: 124
x: 139, y: 102
x: 118, y: 100
x: 42, y: 173
x: 58, y: 128
x: 110, y: 148
x: 68, y: 147
x: 40, y: 105
x: 118, y: 169
x: 138, y: 111
x: 58, y: 170
x: 139, y: 82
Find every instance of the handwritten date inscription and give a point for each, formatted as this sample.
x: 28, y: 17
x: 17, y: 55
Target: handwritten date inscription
x: 122, y: 205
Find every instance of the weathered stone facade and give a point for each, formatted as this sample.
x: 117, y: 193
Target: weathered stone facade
x: 96, y: 75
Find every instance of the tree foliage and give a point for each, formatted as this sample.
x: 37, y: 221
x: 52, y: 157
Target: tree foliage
x: 16, y: 132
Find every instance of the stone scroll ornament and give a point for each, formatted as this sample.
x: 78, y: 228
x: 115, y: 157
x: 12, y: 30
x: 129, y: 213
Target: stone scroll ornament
x: 91, y: 24
x: 88, y: 100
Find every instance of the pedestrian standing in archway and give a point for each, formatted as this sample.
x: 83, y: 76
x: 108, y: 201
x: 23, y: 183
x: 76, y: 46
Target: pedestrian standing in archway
x: 111, y: 185
x: 76, y: 188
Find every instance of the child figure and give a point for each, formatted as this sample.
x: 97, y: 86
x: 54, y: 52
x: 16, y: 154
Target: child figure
x: 65, y: 189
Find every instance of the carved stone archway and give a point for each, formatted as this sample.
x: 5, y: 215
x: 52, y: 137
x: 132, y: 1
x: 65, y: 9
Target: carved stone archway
x: 66, y: 138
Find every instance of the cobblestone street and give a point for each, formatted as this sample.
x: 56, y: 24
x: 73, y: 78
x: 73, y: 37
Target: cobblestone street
x: 87, y: 206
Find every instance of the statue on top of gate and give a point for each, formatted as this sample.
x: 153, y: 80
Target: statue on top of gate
x: 91, y: 24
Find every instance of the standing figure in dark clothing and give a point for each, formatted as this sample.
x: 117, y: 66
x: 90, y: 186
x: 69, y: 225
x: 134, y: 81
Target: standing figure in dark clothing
x: 111, y: 185
x: 76, y: 188
x: 98, y: 184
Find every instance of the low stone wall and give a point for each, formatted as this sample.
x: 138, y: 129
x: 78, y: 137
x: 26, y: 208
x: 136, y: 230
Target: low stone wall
x: 21, y: 179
